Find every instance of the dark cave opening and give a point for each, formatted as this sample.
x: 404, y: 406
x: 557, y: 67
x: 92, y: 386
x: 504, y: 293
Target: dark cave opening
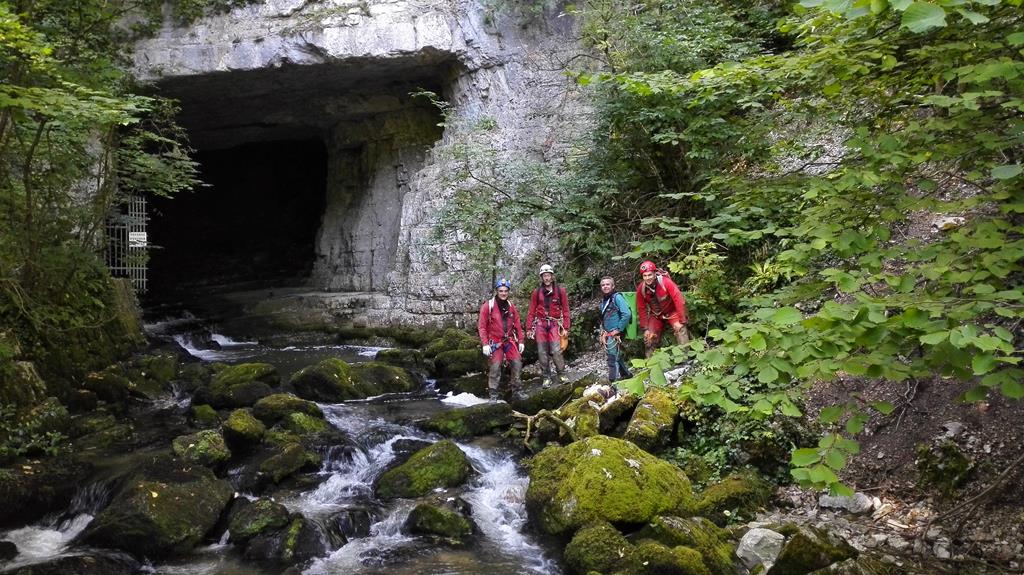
x: 254, y: 224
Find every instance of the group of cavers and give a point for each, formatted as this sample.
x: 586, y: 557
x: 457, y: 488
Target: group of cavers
x: 659, y: 303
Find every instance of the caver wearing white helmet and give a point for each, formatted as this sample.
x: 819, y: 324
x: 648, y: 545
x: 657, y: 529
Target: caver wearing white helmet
x: 547, y: 322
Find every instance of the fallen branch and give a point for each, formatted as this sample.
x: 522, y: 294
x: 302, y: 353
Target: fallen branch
x: 973, y: 500
x: 540, y: 416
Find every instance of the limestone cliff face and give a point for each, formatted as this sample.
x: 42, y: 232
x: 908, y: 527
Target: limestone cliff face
x: 344, y: 71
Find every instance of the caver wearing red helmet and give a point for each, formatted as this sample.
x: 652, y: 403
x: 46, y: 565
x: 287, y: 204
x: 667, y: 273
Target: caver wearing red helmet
x: 659, y: 301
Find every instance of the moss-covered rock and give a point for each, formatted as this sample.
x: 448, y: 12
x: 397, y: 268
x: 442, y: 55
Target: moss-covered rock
x: 656, y: 559
x: 451, y: 339
x: 298, y: 541
x: 274, y: 408
x: 250, y: 519
x: 161, y: 368
x: 206, y: 447
x: 458, y: 362
x: 583, y: 415
x: 466, y: 422
x: 92, y: 422
x: 21, y: 386
x: 110, y: 384
x: 600, y: 548
x: 442, y: 464
x: 410, y: 359
x: 302, y: 424
x: 204, y: 415
x: 444, y: 523
x: 165, y: 509
x: 377, y: 378
x: 807, y: 549
x: 943, y: 467
x: 550, y: 398
x: 242, y: 431
x: 616, y: 413
x: 602, y: 478
x: 739, y: 495
x: 288, y: 459
x: 329, y: 381
x: 32, y: 490
x: 239, y: 385
x: 697, y: 533
x: 653, y: 420
x: 104, y: 438
x: 475, y: 384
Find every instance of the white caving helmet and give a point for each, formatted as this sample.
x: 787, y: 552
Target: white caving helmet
x: 547, y: 269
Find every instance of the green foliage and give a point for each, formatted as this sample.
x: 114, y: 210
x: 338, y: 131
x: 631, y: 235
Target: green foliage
x: 26, y: 436
x: 791, y: 181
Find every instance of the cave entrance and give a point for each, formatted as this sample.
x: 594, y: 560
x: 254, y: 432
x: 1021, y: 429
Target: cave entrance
x: 307, y: 167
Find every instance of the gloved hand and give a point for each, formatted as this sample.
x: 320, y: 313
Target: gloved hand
x: 521, y: 348
x: 603, y: 338
x: 487, y: 350
x: 530, y: 334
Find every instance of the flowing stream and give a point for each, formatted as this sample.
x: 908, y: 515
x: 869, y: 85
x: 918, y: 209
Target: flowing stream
x: 343, y: 486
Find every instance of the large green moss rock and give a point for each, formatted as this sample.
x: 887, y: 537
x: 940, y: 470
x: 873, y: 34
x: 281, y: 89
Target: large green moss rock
x: 377, y: 378
x: 458, y: 362
x: 442, y: 523
x: 451, y: 339
x: 600, y: 548
x: 583, y: 415
x: 442, y: 464
x: 697, y: 533
x: 288, y: 459
x: 165, y: 509
x: 739, y: 495
x: 302, y: 425
x: 411, y: 359
x: 298, y: 541
x: 653, y: 420
x: 274, y: 408
x: 329, y: 381
x: 239, y: 385
x: 256, y: 518
x: 206, y: 447
x: 110, y: 384
x: 807, y: 549
x: 204, y: 415
x: 475, y: 384
x: 161, y: 368
x: 242, y: 431
x: 651, y: 558
x: 33, y: 489
x: 466, y: 422
x: 602, y: 478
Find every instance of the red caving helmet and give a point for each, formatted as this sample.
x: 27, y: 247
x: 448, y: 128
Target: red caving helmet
x: 648, y: 266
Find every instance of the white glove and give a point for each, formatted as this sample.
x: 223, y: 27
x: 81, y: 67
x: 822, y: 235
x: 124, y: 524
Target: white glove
x: 487, y: 350
x: 521, y: 348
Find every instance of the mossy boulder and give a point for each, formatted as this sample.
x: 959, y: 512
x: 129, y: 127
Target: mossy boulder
x: 110, y: 384
x: 298, y: 541
x: 651, y: 558
x: 943, y: 467
x: 206, y: 447
x: 458, y: 362
x: 550, y: 398
x: 87, y: 423
x: 602, y: 478
x: 697, y: 533
x: 274, y: 408
x: 301, y: 424
x: 475, y: 384
x: 377, y: 378
x: 653, y: 420
x: 739, y: 495
x: 443, y: 522
x: 21, y: 385
x: 466, y: 422
x: 583, y: 415
x: 451, y: 339
x: 242, y: 430
x: 102, y: 439
x: 31, y: 490
x: 807, y: 549
x: 204, y: 415
x: 160, y: 368
x: 329, y: 381
x: 249, y: 519
x: 600, y: 548
x: 616, y: 413
x: 442, y: 464
x: 239, y: 385
x: 165, y: 509
x: 411, y: 359
x: 287, y: 459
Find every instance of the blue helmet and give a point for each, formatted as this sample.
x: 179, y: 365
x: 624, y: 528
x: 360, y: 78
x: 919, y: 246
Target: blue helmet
x: 503, y: 282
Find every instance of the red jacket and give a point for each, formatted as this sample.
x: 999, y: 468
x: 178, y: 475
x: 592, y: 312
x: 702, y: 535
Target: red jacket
x: 558, y: 307
x: 669, y: 298
x: 489, y: 326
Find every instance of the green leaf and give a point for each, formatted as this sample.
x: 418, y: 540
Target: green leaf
x: 1006, y: 172
x: 768, y: 375
x: 787, y: 316
x: 822, y: 474
x: 835, y: 459
x: 831, y: 414
x: 855, y: 424
x: 789, y: 410
x: 977, y: 393
x: 922, y: 16
x: 883, y: 407
x: 757, y: 342
x: 634, y: 385
x: 804, y: 457
x: 1015, y: 39
x: 972, y: 16
x: 900, y: 5
x: 934, y: 338
x: 1012, y: 388
x: 983, y: 363
x: 841, y: 490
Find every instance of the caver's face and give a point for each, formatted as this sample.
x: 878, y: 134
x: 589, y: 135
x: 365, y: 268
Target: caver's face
x: 547, y: 278
x: 648, y: 278
x: 503, y: 293
x: 607, y: 286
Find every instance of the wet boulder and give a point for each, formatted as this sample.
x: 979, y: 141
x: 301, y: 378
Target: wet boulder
x: 376, y: 378
x: 303, y: 425
x: 442, y: 464
x: 599, y: 547
x: 239, y: 385
x: 410, y: 359
x: 274, y: 408
x: 286, y: 460
x: 300, y: 540
x: 8, y: 551
x: 652, y: 558
x: 696, y: 533
x: 442, y: 521
x: 242, y: 431
x: 352, y: 523
x: 475, y: 384
x: 204, y: 415
x: 164, y: 509
x: 96, y: 563
x: 653, y: 420
x: 456, y: 362
x: 452, y: 339
x: 738, y: 495
x: 602, y: 478
x: 250, y: 519
x: 329, y: 381
x: 31, y: 490
x: 206, y: 448
x: 807, y: 549
x: 466, y: 422
x: 160, y: 368
x: 110, y: 384
x: 22, y: 386
x: 549, y: 398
